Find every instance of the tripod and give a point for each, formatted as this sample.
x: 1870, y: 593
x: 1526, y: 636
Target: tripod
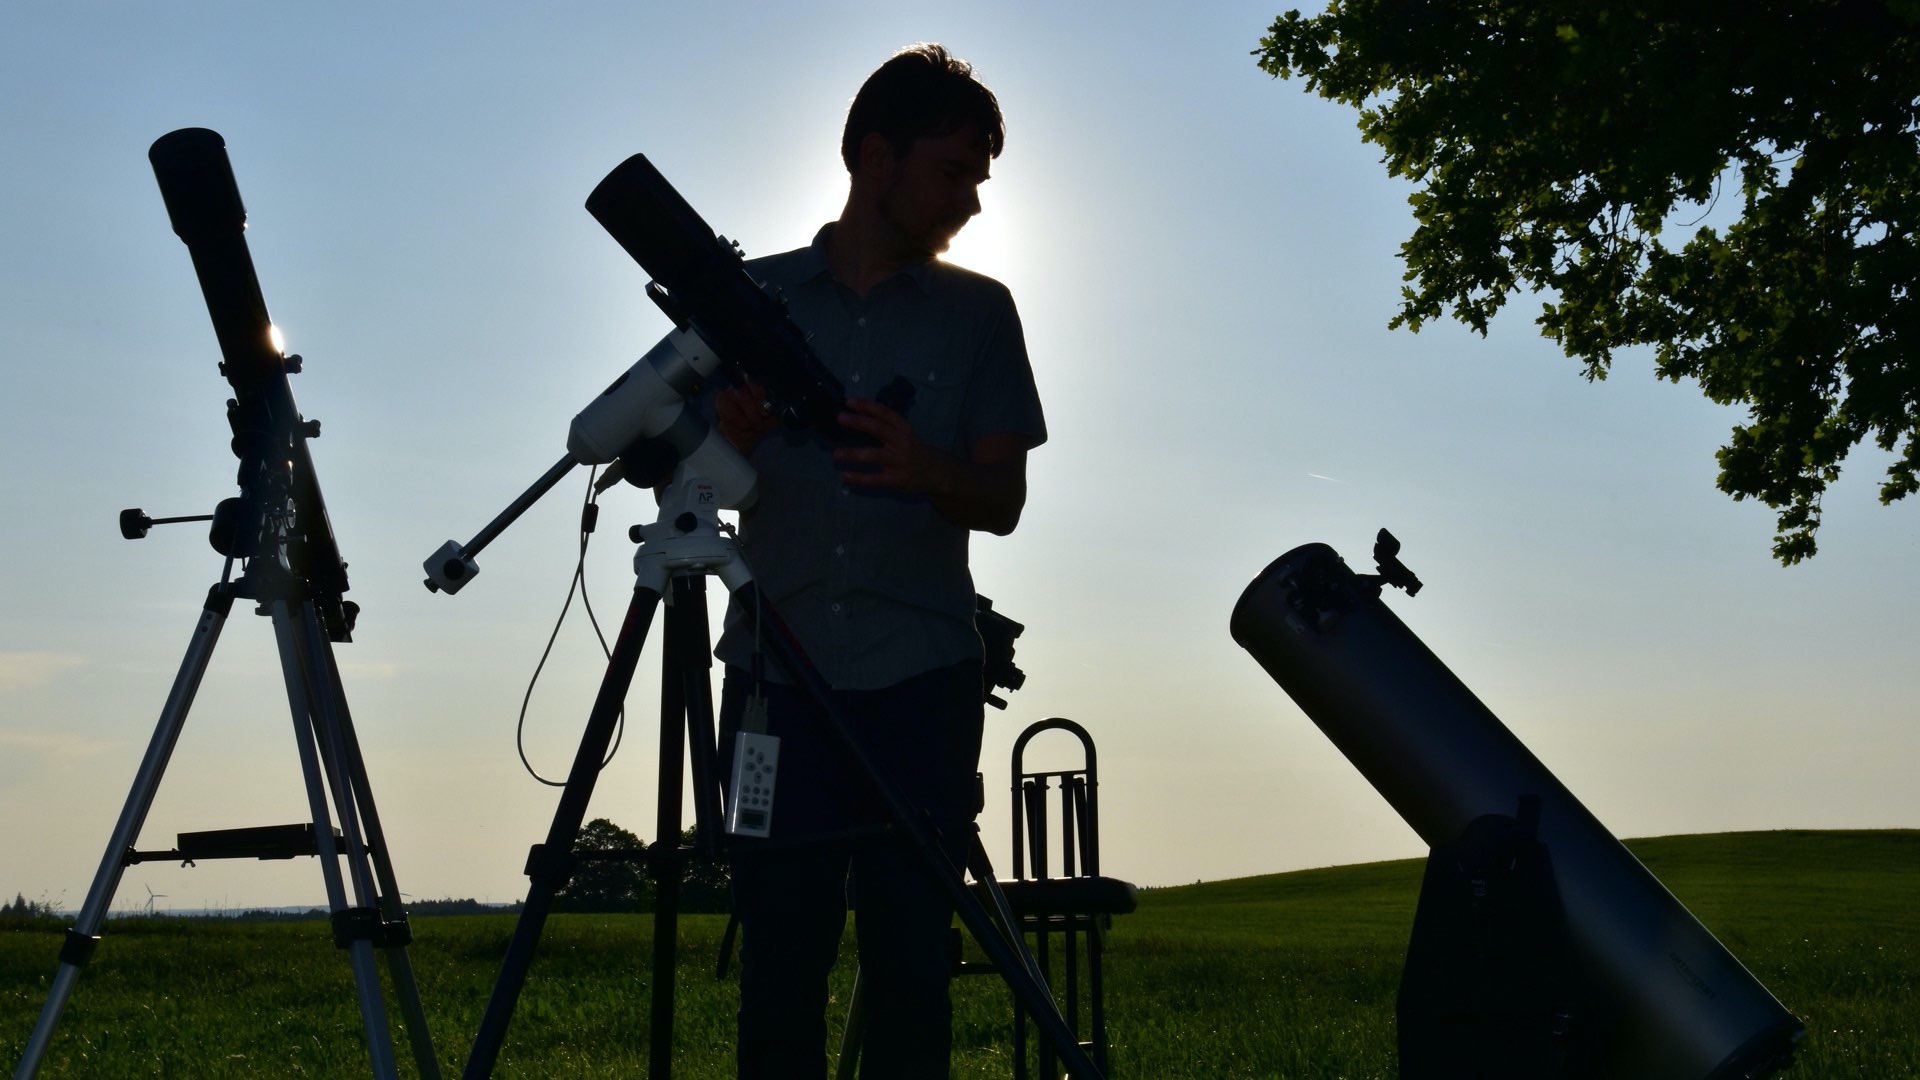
x: 330, y: 763
x: 677, y: 552
x: 278, y: 528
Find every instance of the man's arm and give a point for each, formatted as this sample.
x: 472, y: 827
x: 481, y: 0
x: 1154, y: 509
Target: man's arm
x: 986, y: 489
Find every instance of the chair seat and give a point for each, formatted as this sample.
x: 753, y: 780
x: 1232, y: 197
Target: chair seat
x: 1070, y: 896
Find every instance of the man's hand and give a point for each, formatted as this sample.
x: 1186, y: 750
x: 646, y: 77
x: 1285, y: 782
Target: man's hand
x: 744, y: 415
x: 900, y: 463
x: 984, y: 490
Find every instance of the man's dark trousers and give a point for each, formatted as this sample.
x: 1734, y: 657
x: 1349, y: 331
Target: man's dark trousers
x: 923, y: 736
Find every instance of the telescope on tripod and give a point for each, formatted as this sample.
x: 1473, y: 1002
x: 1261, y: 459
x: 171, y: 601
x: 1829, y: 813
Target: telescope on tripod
x: 278, y: 532
x: 726, y: 325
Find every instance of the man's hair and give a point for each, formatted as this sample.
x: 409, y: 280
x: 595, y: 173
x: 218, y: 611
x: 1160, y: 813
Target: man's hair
x: 921, y: 90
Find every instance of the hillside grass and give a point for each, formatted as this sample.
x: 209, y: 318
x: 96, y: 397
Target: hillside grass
x: 1289, y: 975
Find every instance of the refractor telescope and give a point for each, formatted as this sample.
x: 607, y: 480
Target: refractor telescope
x: 726, y: 325
x: 701, y: 282
x: 1542, y: 947
x: 280, y: 490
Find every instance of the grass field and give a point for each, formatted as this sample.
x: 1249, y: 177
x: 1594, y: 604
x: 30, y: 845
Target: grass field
x: 1291, y: 975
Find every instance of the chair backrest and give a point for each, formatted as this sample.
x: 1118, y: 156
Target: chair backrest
x: 1078, y: 810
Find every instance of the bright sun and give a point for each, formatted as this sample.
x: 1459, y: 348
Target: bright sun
x: 988, y: 244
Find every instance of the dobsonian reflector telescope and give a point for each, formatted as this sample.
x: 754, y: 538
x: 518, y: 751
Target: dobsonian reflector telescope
x: 1663, y: 1000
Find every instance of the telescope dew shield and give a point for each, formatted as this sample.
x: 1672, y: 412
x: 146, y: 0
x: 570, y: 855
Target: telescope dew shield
x: 203, y: 203
x: 1684, y: 1007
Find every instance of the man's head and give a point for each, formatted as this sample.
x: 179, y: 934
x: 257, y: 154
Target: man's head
x: 917, y: 144
x: 922, y: 90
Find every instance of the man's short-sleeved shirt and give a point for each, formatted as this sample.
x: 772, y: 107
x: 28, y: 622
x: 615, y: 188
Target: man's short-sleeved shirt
x: 875, y: 585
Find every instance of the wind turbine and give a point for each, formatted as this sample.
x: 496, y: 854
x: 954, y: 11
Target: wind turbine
x: 151, y: 897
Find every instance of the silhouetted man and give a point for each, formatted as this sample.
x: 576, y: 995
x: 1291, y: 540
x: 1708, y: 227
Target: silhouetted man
x: 864, y: 552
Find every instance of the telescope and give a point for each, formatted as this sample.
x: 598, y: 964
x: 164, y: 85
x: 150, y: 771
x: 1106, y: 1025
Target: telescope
x: 725, y: 325
x: 700, y: 280
x: 277, y: 478
x: 1630, y: 984
x: 292, y: 573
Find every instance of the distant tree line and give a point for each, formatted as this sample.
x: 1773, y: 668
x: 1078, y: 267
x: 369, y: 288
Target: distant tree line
x: 451, y: 906
x: 23, y: 908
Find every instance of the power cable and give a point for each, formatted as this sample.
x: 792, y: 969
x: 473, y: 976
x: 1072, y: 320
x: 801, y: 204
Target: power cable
x: 589, y: 516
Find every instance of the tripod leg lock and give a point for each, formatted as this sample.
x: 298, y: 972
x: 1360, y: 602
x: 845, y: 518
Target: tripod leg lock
x: 78, y: 948
x: 353, y: 925
x: 547, y: 864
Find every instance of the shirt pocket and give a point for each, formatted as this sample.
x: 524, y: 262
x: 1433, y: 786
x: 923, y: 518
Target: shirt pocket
x: 939, y: 389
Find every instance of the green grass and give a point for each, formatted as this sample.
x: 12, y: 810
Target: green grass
x: 1291, y: 975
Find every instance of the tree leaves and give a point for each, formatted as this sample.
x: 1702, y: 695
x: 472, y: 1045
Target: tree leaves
x: 1556, y: 142
x: 604, y: 884
x: 622, y: 883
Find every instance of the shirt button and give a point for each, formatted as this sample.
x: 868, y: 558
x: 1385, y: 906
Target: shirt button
x: 839, y: 549
x: 856, y: 376
x: 862, y: 320
x: 836, y: 607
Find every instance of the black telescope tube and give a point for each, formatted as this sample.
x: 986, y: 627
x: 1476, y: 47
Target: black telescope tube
x: 1687, y: 1009
x: 203, y: 204
x: 703, y: 281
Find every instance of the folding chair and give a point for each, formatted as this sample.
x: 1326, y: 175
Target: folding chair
x: 1063, y: 895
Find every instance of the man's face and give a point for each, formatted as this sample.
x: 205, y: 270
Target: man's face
x: 931, y: 192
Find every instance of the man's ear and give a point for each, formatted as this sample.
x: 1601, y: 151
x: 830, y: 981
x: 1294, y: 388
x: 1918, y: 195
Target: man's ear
x: 876, y: 158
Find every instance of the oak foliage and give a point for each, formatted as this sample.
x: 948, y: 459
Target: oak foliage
x: 1559, y: 145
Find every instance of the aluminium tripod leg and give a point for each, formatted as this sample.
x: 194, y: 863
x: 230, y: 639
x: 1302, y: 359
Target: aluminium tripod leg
x: 548, y: 865
x: 350, y: 771
x: 85, y: 933
x: 302, y: 702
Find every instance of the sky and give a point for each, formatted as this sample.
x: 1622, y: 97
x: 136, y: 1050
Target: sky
x: 1205, y: 261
